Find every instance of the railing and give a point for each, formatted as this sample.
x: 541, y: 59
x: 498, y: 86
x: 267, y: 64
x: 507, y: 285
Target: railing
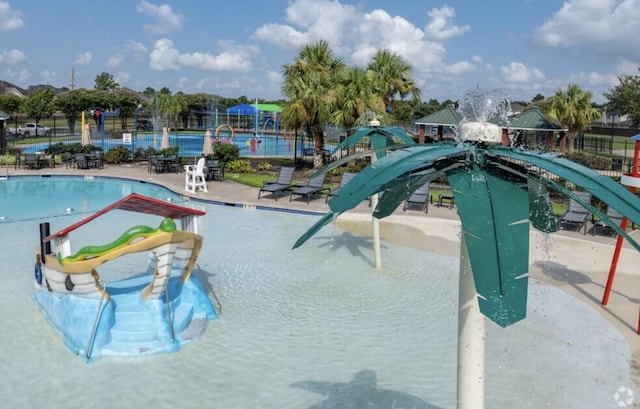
x: 95, y: 322
x: 169, y: 319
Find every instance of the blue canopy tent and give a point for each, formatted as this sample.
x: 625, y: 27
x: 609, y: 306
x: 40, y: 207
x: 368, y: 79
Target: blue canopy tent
x: 242, y: 109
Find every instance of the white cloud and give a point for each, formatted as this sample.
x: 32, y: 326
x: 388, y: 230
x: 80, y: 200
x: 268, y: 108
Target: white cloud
x: 519, y: 73
x: 9, y: 19
x: 115, y: 60
x: 136, y: 51
x: 165, y: 56
x: 274, y: 77
x: 48, y: 76
x: 11, y: 57
x: 461, y: 67
x: 83, y: 58
x: 440, y: 27
x: 627, y: 67
x: 24, y: 75
x: 183, y: 82
x: 285, y: 37
x: 357, y: 36
x: 605, y: 27
x: 123, y: 77
x: 166, y: 21
x: 135, y: 47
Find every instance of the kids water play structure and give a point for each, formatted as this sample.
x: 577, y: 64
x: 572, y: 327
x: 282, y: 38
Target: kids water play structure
x: 499, y: 191
x: 153, y: 312
x: 229, y: 128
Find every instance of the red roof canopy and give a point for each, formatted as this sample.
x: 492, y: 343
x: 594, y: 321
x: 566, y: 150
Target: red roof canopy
x: 135, y: 203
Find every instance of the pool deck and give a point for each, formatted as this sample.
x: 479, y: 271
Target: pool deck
x: 576, y: 263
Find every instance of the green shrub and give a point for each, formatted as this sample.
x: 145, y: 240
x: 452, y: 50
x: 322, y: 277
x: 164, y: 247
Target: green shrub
x: 239, y: 166
x: 590, y: 160
x: 8, y: 159
x: 225, y: 153
x: 264, y: 166
x: 170, y: 151
x: 117, y: 155
x: 60, y: 148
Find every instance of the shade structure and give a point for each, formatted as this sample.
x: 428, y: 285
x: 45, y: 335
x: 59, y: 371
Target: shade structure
x: 86, y: 135
x: 164, y: 144
x: 207, y: 148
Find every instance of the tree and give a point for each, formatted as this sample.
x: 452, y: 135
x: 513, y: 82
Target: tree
x: 624, y: 98
x: 357, y: 93
x: 127, y: 102
x: 394, y: 74
x: 39, y: 105
x: 10, y: 104
x: 572, y: 109
x: 149, y: 92
x: 309, y: 82
x: 537, y: 99
x: 72, y: 103
x: 105, y: 82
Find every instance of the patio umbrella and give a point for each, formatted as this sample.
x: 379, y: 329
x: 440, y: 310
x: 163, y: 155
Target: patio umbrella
x: 86, y: 135
x: 164, y: 144
x: 207, y: 148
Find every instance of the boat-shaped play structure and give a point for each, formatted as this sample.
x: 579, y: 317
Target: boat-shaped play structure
x: 150, y: 312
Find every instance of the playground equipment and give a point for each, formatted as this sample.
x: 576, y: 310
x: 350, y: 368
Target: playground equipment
x: 499, y: 191
x: 225, y: 126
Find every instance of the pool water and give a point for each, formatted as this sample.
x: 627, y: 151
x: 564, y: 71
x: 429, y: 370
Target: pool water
x: 317, y: 327
x: 190, y: 144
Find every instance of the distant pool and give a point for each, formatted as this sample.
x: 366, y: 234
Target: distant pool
x: 312, y: 328
x: 191, y: 144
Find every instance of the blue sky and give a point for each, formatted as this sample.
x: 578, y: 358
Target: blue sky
x: 234, y: 48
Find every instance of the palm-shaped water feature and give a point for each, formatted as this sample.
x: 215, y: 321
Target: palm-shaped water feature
x: 500, y: 191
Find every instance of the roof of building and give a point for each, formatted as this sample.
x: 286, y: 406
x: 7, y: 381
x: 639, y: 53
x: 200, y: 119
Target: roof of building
x: 448, y: 116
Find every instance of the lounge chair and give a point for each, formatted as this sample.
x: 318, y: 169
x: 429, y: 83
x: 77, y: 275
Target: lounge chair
x: 419, y: 198
x: 283, y: 183
x: 194, y: 178
x: 577, y: 215
x: 315, y: 185
x: 346, y: 178
x: 615, y: 217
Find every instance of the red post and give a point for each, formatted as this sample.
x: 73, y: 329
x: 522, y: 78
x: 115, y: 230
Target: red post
x: 634, y: 175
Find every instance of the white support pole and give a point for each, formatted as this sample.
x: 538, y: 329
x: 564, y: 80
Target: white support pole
x: 471, y: 338
x: 376, y: 234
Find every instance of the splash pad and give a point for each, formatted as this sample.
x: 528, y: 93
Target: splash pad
x: 500, y: 192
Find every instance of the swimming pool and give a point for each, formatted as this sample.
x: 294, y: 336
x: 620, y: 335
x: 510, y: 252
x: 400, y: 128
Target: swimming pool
x: 312, y: 328
x: 190, y: 144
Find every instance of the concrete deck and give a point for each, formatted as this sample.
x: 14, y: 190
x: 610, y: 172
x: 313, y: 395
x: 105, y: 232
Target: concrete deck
x: 576, y: 263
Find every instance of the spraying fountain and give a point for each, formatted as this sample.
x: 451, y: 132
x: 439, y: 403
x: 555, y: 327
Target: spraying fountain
x: 500, y: 191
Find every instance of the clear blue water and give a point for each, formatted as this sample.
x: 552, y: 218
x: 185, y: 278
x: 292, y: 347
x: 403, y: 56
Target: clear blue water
x: 191, y: 144
x: 312, y: 328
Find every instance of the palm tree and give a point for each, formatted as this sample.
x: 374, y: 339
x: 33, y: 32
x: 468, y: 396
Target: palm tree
x: 309, y: 82
x: 572, y: 109
x: 357, y: 93
x: 394, y: 74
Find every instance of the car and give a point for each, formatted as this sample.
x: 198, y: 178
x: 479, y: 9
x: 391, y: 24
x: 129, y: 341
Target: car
x: 33, y: 129
x: 145, y: 125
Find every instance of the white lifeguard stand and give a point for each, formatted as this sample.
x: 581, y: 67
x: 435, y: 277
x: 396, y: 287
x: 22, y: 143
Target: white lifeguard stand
x: 194, y: 177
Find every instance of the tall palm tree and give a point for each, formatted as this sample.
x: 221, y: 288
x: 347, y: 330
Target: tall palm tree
x: 573, y: 109
x: 394, y: 74
x: 309, y: 82
x: 357, y: 93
